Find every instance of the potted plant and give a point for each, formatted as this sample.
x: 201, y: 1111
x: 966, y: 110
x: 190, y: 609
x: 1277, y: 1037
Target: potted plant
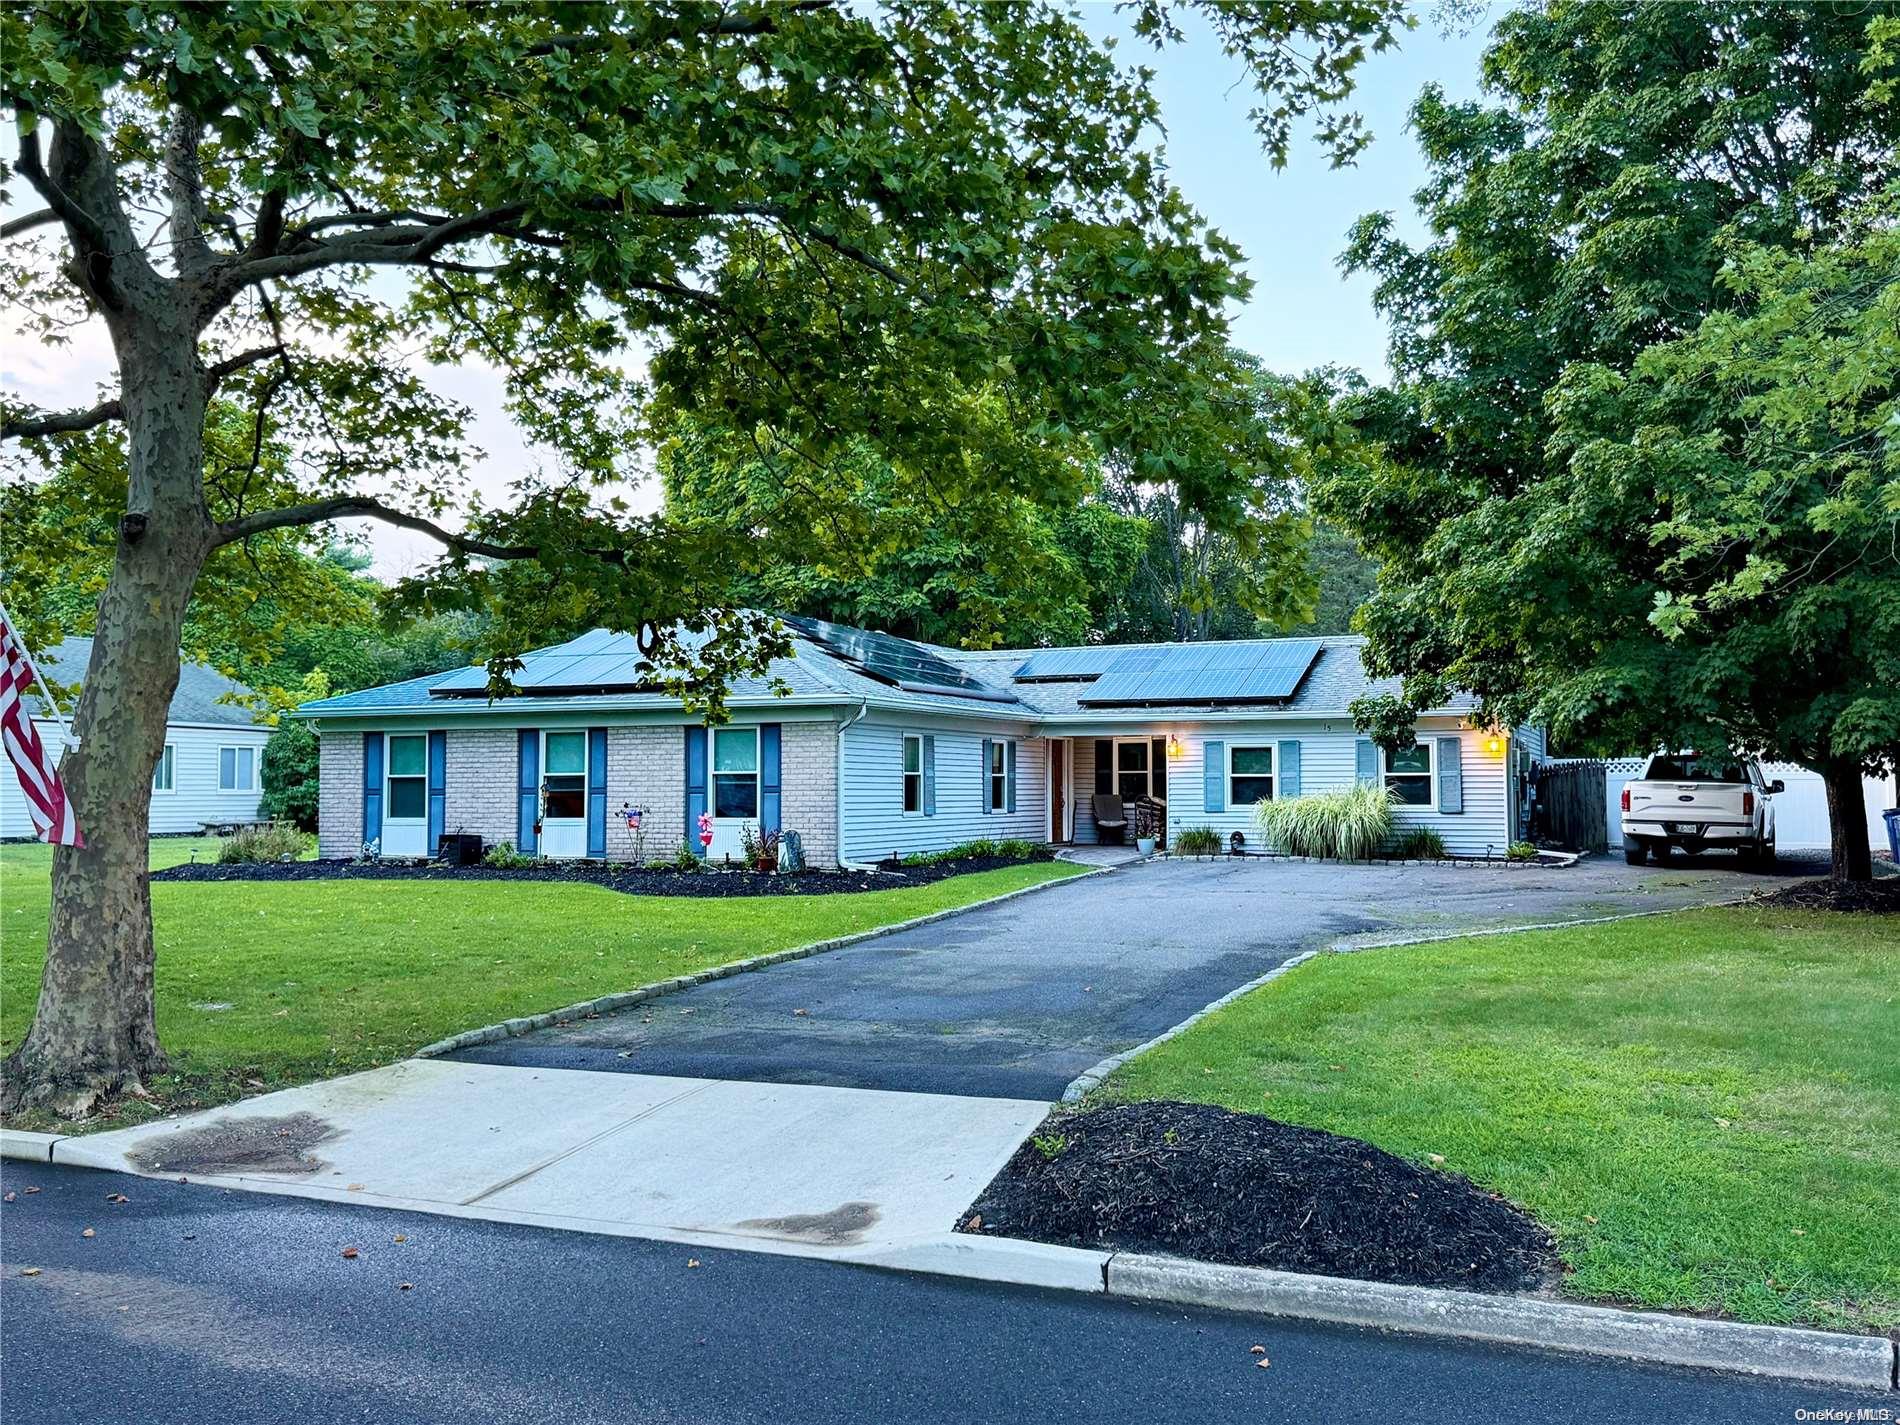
x: 1147, y: 819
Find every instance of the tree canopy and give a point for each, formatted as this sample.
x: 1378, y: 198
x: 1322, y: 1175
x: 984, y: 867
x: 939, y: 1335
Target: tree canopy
x: 1636, y: 468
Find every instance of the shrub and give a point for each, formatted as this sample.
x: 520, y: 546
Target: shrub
x: 1421, y: 843
x: 1522, y: 851
x: 1348, y: 826
x: 686, y: 859
x: 289, y: 774
x: 1197, y: 841
x: 503, y: 856
x: 1016, y: 848
x: 272, y: 842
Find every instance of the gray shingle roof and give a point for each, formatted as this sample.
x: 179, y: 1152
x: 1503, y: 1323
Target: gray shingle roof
x: 196, y: 700
x: 816, y: 676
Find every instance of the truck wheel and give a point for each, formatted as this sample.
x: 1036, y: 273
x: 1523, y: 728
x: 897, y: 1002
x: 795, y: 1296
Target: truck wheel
x: 1635, y: 852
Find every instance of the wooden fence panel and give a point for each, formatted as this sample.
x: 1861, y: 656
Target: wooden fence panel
x: 1572, y: 806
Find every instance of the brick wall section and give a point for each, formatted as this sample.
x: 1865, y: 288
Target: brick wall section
x: 339, y: 795
x: 478, y: 788
x: 808, y: 781
x: 646, y: 767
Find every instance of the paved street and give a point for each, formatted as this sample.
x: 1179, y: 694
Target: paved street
x: 1015, y: 1000
x: 194, y: 1304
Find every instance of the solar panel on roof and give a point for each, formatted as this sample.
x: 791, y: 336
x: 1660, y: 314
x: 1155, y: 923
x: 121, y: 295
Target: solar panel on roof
x: 598, y: 661
x: 896, y: 661
x: 1206, y: 673
x: 1056, y: 665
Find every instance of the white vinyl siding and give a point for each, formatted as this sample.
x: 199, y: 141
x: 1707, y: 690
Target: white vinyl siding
x: 875, y: 823
x: 1327, y: 765
x: 194, y: 799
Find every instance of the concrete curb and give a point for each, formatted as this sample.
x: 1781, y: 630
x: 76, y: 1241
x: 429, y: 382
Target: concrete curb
x: 25, y: 1146
x: 606, y: 1004
x: 1823, y: 1357
x: 1090, y: 1078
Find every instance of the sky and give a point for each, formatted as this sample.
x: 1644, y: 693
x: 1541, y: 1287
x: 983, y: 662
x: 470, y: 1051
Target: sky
x: 1291, y: 225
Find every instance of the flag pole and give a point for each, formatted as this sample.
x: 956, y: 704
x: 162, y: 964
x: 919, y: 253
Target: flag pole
x: 65, y: 732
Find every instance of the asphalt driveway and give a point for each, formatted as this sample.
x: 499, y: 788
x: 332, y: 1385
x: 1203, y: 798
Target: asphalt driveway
x: 1015, y: 1000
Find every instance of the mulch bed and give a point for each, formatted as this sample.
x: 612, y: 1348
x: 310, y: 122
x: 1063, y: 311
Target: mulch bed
x: 629, y: 880
x: 1876, y: 897
x: 1192, y: 1180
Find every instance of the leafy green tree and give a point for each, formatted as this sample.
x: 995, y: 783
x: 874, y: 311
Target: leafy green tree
x: 817, y: 218
x: 289, y: 774
x: 1563, y: 528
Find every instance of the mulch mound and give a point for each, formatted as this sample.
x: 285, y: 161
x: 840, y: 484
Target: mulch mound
x: 629, y: 880
x: 1876, y: 897
x: 1191, y: 1180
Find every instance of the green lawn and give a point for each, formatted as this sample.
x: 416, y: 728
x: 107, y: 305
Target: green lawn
x: 263, y: 985
x: 1705, y: 1107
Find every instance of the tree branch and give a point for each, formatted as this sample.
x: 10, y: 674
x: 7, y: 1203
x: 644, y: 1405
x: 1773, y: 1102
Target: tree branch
x: 69, y: 422
x: 362, y: 506
x: 28, y: 222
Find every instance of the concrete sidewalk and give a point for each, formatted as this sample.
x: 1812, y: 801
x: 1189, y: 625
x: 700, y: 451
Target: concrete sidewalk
x: 853, y: 1174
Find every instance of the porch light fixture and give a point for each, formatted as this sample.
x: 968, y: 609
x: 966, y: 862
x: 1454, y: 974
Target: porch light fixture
x: 1175, y: 749
x: 1494, y: 745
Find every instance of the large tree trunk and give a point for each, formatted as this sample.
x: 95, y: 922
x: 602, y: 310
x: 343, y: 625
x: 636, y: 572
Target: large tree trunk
x: 1847, y: 822
x: 94, y: 1034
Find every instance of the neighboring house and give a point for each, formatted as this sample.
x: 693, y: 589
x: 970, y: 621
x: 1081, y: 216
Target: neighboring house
x: 211, y: 771
x: 881, y: 746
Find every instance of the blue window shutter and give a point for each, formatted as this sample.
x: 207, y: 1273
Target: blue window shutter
x: 1286, y: 762
x: 1009, y: 764
x: 438, y: 789
x: 984, y: 799
x: 1213, y: 776
x: 770, y: 799
x: 930, y: 775
x: 1365, y: 761
x: 527, y: 791
x: 372, y: 787
x: 1451, y: 774
x: 597, y: 792
x: 695, y: 785
x: 1104, y: 765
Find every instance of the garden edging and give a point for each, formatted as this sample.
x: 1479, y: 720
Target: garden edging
x: 605, y: 1004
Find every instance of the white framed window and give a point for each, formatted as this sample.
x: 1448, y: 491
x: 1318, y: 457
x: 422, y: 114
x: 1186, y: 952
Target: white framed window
x: 735, y: 772
x: 237, y: 769
x: 408, y: 795
x: 165, y: 774
x: 1133, y: 768
x: 913, y: 772
x: 999, y: 776
x: 1408, y: 775
x: 564, y: 775
x: 1249, y: 775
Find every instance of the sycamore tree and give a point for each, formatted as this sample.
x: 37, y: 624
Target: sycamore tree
x: 1635, y: 470
x: 800, y: 221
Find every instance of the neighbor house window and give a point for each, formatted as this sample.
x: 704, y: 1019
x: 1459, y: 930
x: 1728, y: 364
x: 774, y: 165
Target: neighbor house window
x: 237, y: 769
x: 164, y: 774
x: 1249, y: 775
x: 564, y: 776
x: 408, y: 778
x: 736, y: 771
x: 999, y: 776
x: 1408, y: 775
x: 913, y: 772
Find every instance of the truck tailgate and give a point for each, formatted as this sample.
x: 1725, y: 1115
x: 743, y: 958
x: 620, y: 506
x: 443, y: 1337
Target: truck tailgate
x: 1688, y: 801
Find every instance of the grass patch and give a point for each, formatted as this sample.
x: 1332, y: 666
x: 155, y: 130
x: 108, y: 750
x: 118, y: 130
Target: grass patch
x: 318, y: 978
x: 1704, y: 1107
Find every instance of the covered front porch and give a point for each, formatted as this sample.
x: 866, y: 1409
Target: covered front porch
x: 1128, y: 766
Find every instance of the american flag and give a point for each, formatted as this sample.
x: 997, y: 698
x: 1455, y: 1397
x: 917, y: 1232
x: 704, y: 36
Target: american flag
x: 46, y: 801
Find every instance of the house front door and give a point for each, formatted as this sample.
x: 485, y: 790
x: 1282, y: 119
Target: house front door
x: 564, y: 795
x: 1058, y: 790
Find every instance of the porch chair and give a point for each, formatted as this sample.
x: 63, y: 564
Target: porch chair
x: 1111, y: 819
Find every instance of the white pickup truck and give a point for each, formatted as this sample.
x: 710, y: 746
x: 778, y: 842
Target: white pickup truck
x: 1695, y: 803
